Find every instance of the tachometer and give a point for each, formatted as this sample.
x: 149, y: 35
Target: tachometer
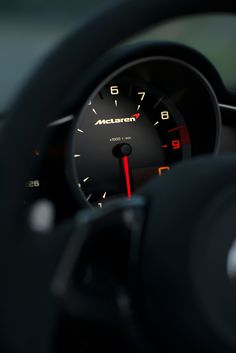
x: 128, y: 133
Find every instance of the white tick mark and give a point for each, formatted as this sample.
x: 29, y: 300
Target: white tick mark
x: 89, y: 197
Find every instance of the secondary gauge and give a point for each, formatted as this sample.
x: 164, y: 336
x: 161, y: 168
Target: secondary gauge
x: 129, y: 133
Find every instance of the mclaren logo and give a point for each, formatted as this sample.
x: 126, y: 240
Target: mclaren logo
x: 132, y: 119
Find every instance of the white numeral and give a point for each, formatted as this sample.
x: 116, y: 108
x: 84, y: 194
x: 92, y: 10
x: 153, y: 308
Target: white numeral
x: 142, y: 94
x: 165, y: 115
x: 114, y: 90
x: 32, y: 184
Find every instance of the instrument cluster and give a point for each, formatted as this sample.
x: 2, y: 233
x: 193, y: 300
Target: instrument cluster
x: 152, y: 106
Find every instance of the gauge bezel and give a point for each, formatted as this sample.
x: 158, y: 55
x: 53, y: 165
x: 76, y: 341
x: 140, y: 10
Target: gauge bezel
x: 120, y: 68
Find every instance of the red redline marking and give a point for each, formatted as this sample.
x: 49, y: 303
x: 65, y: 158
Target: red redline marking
x: 136, y: 116
x: 184, y: 134
x: 163, y: 169
x: 125, y: 162
x: 177, y: 128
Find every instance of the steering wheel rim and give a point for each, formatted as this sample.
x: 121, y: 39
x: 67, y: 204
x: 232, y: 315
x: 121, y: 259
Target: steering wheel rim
x: 38, y: 105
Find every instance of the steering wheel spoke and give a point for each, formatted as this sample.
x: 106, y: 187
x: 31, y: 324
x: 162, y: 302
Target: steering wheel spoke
x: 97, y: 267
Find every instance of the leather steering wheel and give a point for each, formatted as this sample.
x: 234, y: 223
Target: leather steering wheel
x: 188, y: 301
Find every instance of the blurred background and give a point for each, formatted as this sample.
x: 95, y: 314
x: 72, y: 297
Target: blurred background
x: 30, y: 28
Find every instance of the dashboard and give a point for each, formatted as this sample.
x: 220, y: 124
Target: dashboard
x: 154, y: 104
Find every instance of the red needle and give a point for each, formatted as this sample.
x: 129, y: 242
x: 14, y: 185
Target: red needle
x: 125, y: 161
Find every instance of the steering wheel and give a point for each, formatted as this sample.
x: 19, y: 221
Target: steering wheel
x: 171, y: 291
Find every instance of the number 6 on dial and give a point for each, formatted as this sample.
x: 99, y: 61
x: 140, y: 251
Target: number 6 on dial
x: 114, y: 90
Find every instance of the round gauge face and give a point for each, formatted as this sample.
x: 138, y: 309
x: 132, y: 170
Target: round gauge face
x: 128, y: 133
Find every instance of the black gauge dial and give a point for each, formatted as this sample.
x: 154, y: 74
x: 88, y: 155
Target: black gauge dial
x: 128, y: 133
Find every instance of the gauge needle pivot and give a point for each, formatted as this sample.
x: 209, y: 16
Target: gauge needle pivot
x: 123, y: 151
